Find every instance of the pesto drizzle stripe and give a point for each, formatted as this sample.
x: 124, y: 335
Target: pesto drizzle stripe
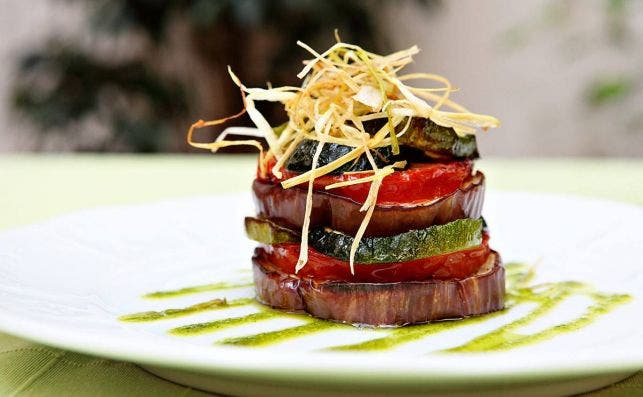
x: 195, y: 290
x: 504, y: 338
x: 212, y: 326
x: 214, y: 304
x: 412, y: 333
x: 272, y: 337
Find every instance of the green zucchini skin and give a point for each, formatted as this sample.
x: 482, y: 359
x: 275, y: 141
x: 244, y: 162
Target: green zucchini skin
x: 267, y: 232
x: 439, y: 142
x: 302, y: 158
x: 435, y: 240
x: 423, y: 139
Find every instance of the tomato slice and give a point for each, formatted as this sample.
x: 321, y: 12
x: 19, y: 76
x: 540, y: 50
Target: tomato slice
x: 320, y: 267
x: 420, y: 183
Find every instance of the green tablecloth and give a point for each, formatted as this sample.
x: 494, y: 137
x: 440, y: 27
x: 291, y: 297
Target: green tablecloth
x: 38, y: 187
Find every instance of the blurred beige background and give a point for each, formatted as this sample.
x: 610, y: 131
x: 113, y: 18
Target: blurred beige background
x: 564, y: 77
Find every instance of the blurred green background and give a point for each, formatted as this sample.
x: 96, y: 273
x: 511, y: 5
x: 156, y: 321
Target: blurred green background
x: 131, y: 75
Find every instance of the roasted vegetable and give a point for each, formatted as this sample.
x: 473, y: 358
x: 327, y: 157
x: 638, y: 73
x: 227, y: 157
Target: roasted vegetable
x: 384, y: 304
x: 415, y: 244
x: 455, y: 265
x: 266, y: 232
x: 286, y: 207
x: 301, y: 159
x: 439, y: 142
x: 459, y: 235
x: 420, y: 182
x: 434, y: 141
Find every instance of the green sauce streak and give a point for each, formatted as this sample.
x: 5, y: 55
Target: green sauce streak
x: 399, y: 336
x: 545, y: 297
x: 217, y: 325
x: 269, y: 338
x: 214, y: 304
x: 505, y: 337
x: 195, y: 290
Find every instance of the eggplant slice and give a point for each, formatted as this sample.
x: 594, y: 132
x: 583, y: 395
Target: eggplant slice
x: 286, y: 207
x: 384, y: 304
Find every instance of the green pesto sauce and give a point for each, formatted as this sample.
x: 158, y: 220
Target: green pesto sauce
x: 273, y: 337
x: 217, y: 325
x: 214, y: 304
x: 195, y: 290
x: 543, y: 297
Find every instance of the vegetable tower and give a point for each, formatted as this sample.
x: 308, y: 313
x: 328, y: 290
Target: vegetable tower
x: 368, y: 205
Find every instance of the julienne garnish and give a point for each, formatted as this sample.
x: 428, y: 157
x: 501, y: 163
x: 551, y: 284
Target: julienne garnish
x: 368, y: 205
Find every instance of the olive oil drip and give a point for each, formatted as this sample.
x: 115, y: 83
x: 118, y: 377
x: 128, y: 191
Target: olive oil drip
x: 544, y: 297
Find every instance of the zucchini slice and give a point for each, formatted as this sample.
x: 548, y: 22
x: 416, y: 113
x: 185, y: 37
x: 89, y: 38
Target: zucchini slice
x: 267, y: 232
x: 435, y: 240
x: 439, y: 142
x: 423, y: 139
x: 302, y: 158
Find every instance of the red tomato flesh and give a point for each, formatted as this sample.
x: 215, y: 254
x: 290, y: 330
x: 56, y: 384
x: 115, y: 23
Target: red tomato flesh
x: 420, y: 183
x: 320, y: 267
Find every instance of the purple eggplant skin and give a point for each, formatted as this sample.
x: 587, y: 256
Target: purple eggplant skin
x: 286, y: 207
x: 384, y: 304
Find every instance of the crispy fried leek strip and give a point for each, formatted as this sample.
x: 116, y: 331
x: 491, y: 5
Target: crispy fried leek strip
x: 388, y: 170
x: 370, y: 202
x: 315, y: 173
x: 322, y: 125
x: 380, y: 83
x: 220, y: 142
x: 276, y: 169
x: 369, y: 206
x: 342, y: 88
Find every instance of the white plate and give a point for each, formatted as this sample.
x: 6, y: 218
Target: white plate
x: 66, y: 281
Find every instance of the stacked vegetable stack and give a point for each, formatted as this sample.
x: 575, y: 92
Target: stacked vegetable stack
x: 368, y: 204
x: 424, y: 255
